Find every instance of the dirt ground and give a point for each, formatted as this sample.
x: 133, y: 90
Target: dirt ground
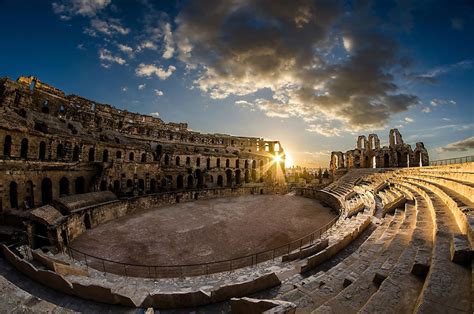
x: 205, y: 230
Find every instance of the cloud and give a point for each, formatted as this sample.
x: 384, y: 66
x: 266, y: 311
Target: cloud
x: 81, y: 47
x: 124, y: 89
x: 440, y: 102
x: 106, y: 55
x: 431, y: 76
x: 426, y: 110
x: 324, y: 130
x: 158, y: 92
x: 147, y: 70
x: 168, y: 41
x: 241, y: 47
x: 155, y: 114
x: 243, y: 103
x: 65, y: 9
x: 408, y: 120
x: 108, y: 27
x: 460, y: 146
x: 125, y: 49
x: 147, y: 44
x: 141, y: 86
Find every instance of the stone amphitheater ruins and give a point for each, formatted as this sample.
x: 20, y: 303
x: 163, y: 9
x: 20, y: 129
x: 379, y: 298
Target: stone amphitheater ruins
x: 94, y: 202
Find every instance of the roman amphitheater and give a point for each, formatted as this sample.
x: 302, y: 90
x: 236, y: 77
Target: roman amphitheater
x: 104, y: 210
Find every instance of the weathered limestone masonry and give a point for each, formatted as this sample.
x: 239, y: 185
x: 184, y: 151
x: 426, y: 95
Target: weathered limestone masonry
x: 369, y: 154
x: 55, y: 145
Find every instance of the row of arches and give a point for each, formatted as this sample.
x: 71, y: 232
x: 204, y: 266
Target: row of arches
x: 177, y: 162
x: 46, y: 191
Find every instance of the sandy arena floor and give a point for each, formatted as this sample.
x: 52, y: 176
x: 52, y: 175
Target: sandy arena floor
x: 205, y: 230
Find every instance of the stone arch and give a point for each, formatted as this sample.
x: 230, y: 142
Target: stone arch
x: 143, y: 158
x: 7, y: 146
x: 246, y: 164
x: 118, y: 154
x: 254, y: 175
x: 42, y: 151
x: 29, y: 194
x: 227, y: 163
x: 131, y: 156
x: 153, y: 186
x: 13, y: 193
x: 116, y: 186
x: 218, y: 163
x: 220, y: 181
x: 199, y: 178
x: 63, y: 186
x: 76, y: 153
x: 179, y: 182
x: 141, y: 185
x: 59, y: 151
x: 167, y: 160
x: 80, y: 185
x: 129, y: 183
x: 238, y: 176
x: 190, y: 182
x: 105, y: 155
x: 228, y: 175
x: 46, y: 191
x: 177, y: 161
x: 91, y: 154
x: 237, y: 163
x: 247, y: 176
x: 254, y: 164
x: 208, y: 163
x: 198, y: 162
x: 24, y: 148
x: 188, y: 161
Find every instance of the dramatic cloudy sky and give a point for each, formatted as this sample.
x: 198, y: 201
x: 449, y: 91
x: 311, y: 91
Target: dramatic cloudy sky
x: 312, y: 74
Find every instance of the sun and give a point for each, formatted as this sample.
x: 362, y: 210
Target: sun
x: 277, y: 158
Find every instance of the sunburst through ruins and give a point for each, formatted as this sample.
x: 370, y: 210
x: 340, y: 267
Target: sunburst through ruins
x: 288, y: 188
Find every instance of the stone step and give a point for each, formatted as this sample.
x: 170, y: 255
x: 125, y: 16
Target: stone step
x: 353, y: 297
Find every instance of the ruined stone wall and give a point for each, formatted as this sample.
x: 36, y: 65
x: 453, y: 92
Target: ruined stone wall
x: 52, y: 144
x: 369, y: 154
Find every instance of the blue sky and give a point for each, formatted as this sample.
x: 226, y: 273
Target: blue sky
x: 312, y: 74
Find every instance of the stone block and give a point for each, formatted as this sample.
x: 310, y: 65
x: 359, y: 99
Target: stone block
x: 422, y: 263
x: 460, y: 250
x: 178, y: 299
x: 255, y: 306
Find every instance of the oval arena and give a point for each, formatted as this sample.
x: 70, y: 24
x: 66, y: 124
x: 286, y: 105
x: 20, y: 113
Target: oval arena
x: 106, y: 210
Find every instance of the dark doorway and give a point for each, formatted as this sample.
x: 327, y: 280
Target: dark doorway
x: 46, y: 191
x: 220, y: 181
x: 237, y: 177
x: 179, y: 182
x: 7, y: 146
x: 13, y: 195
x: 63, y: 187
x: 24, y: 149
x: 386, y: 161
x: 105, y: 156
x: 228, y: 177
x: 80, y: 185
x: 190, y: 182
x: 75, y: 153
x: 42, y: 151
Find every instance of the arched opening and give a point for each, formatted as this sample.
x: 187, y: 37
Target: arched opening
x: 24, y: 149
x: 237, y: 177
x: 141, y: 186
x: 374, y: 162
x: 247, y: 176
x: 7, y: 146
x: 46, y: 191
x: 228, y: 177
x: 177, y: 160
x: 59, y: 152
x: 198, y: 162
x: 190, y: 182
x: 188, y: 161
x: 42, y: 151
x: 199, y: 178
x: 366, y: 162
x: 220, y: 181
x: 80, y: 185
x: 152, y: 186
x: 143, y: 159
x: 13, y: 195
x: 29, y: 195
x: 254, y: 175
x: 196, y: 196
x: 400, y: 162
x: 227, y: 163
x: 63, y: 187
x: 179, y: 182
x: 210, y: 178
x: 336, y: 161
x: 218, y: 163
x: 159, y: 151
x: 103, y: 185
x: 208, y: 163
x: 91, y: 154
x: 118, y: 155
x: 254, y: 164
x: 237, y: 162
x: 45, y: 108
x: 105, y: 156
x: 75, y: 154
x: 386, y: 161
x: 167, y: 160
x: 116, y: 186
x: 131, y: 156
